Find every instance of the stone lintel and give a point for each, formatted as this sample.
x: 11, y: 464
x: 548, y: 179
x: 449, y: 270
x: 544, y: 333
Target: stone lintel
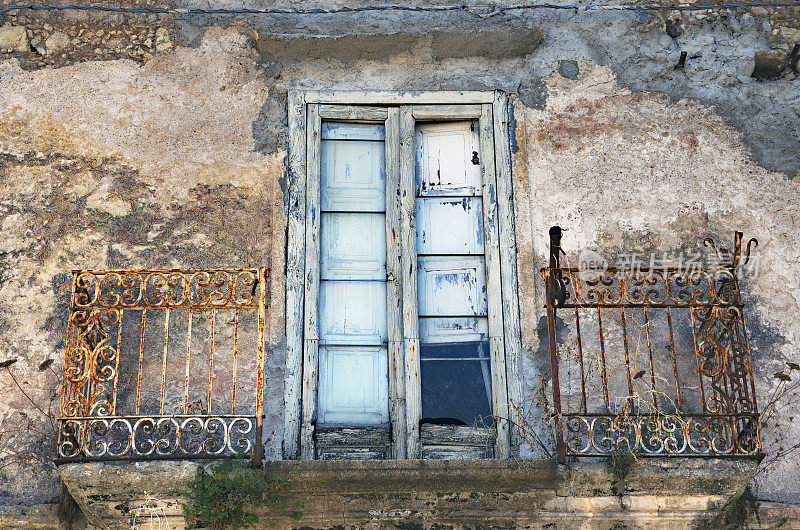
x: 498, y: 43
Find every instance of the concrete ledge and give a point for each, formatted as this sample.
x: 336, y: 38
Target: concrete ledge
x: 36, y: 516
x: 776, y: 515
x: 443, y: 44
x: 662, y: 476
x: 394, y: 476
x: 375, y: 494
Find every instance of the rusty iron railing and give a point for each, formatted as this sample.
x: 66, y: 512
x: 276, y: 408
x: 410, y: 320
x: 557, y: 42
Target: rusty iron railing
x: 164, y: 364
x: 652, y: 359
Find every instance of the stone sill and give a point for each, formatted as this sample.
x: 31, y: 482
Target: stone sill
x: 679, y: 492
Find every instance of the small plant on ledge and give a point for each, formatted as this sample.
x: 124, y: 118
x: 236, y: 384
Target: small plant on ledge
x: 226, y: 495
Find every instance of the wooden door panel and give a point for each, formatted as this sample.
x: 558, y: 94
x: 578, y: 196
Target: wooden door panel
x: 353, y: 176
x: 352, y: 312
x: 353, y: 386
x: 444, y: 330
x: 352, y: 131
x: 451, y: 286
x: 449, y: 226
x: 448, y: 159
x: 353, y: 246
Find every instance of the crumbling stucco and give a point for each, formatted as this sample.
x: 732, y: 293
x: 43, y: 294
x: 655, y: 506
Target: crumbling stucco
x: 677, y: 493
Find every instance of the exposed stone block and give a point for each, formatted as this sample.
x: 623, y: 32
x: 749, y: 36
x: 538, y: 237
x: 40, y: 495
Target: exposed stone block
x: 568, y: 69
x: 674, y: 27
x: 57, y: 41
x: 769, y: 65
x: 163, y: 42
x: 14, y: 38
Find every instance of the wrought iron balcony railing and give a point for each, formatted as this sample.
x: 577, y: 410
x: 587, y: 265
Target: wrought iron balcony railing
x: 651, y: 361
x: 169, y: 363
x: 164, y: 364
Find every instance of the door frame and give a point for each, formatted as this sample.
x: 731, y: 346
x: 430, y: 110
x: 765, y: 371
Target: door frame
x: 301, y: 372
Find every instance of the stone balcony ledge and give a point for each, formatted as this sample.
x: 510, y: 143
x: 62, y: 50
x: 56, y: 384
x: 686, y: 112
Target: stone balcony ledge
x: 673, y: 492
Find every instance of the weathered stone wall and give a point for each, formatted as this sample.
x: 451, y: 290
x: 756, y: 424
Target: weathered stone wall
x: 153, y: 141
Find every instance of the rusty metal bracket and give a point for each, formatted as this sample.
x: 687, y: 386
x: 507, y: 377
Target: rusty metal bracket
x: 731, y: 259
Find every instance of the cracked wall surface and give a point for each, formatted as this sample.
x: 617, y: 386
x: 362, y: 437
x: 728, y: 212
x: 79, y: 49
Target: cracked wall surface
x: 171, y: 153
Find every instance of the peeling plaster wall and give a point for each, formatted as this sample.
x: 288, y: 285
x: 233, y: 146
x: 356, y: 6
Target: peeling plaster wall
x: 116, y: 165
x: 649, y: 185
x: 175, y: 158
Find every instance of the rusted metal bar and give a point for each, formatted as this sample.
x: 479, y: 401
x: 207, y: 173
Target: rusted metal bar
x: 258, y: 448
x: 627, y: 356
x: 157, y: 271
x: 674, y: 359
x: 235, y: 357
x: 746, y: 386
x: 188, y: 362
x: 124, y: 458
x: 650, y: 355
x: 211, y: 360
x: 644, y: 268
x: 568, y: 305
x: 116, y: 365
x: 755, y: 421
x: 580, y: 357
x: 176, y: 416
x: 688, y: 415
x: 697, y: 356
x: 603, y: 359
x: 555, y: 249
x: 164, y: 365
x: 726, y: 395
x: 141, y: 358
x: 749, y: 358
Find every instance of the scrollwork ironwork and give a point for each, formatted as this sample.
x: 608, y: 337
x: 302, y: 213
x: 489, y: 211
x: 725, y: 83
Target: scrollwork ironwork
x: 662, y: 434
x: 200, y: 288
x: 103, y: 416
x: 155, y: 437
x: 90, y: 363
x: 644, y: 288
x: 723, y: 420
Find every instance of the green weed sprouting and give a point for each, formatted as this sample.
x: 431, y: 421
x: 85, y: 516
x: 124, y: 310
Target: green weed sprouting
x: 624, y: 454
x: 226, y: 495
